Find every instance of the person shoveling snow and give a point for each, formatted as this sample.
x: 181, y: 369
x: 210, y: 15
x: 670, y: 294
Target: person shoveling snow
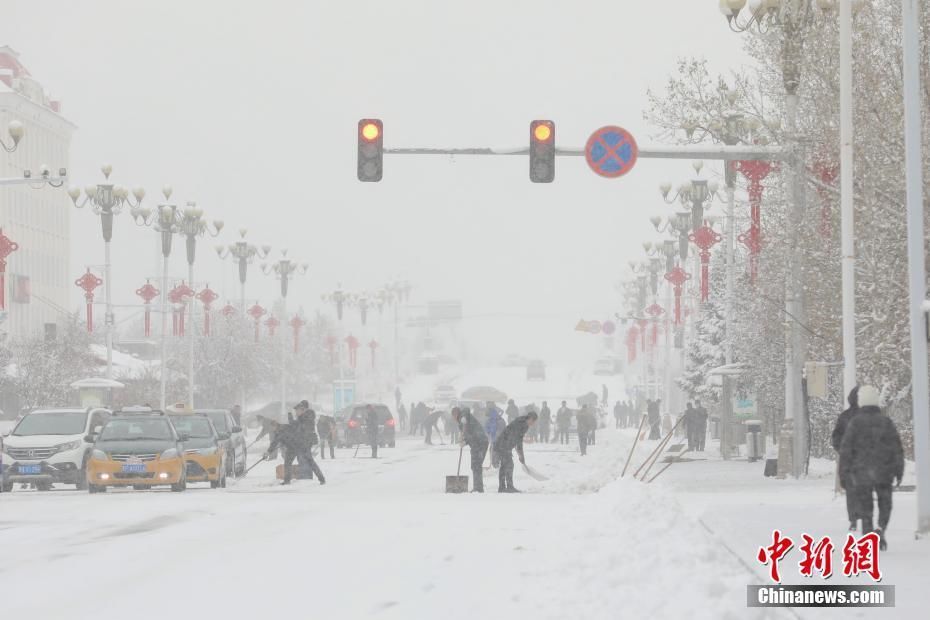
x: 510, y: 438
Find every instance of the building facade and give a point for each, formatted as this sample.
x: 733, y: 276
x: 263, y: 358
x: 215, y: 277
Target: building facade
x: 38, y: 274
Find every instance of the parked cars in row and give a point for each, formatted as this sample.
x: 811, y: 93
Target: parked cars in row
x: 137, y: 446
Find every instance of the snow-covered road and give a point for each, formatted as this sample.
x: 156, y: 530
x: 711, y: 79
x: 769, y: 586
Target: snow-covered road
x: 381, y: 539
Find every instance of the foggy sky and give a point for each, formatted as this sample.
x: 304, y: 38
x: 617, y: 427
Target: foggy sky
x: 250, y: 109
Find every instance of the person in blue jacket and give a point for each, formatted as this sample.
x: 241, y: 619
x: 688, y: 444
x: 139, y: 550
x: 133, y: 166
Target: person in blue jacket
x: 492, y: 427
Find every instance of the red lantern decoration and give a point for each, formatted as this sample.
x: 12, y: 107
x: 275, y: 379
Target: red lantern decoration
x: 827, y: 172
x: 677, y: 278
x: 755, y: 172
x: 632, y: 337
x: 207, y: 297
x: 228, y: 311
x: 352, y: 342
x: 178, y: 297
x: 88, y: 282
x: 705, y: 238
x: 296, y: 323
x: 373, y: 345
x: 257, y: 312
x: 643, y: 324
x: 147, y: 293
x: 7, y: 247
x: 272, y: 323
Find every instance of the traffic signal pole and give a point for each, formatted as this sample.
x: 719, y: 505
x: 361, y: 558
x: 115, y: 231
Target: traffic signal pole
x: 722, y: 152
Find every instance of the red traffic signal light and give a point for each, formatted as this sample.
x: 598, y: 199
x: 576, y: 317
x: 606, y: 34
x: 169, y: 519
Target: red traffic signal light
x: 370, y: 150
x: 542, y: 151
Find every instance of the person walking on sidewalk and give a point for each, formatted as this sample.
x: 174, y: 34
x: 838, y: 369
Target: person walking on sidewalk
x: 700, y: 416
x: 655, y: 420
x: 563, y: 421
x: 512, y: 438
x: 871, y: 460
x: 473, y: 436
x: 371, y: 426
x: 545, y: 423
x: 586, y: 424
x: 512, y: 412
x: 326, y: 427
x: 691, y: 426
x: 836, y: 440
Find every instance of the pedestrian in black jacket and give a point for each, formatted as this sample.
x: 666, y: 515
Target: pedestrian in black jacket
x: 306, y: 426
x: 512, y: 438
x: 842, y: 422
x: 700, y: 434
x: 545, y: 423
x: 475, y: 438
x: 292, y: 439
x: 371, y: 427
x: 512, y: 411
x: 326, y: 428
x: 871, y: 460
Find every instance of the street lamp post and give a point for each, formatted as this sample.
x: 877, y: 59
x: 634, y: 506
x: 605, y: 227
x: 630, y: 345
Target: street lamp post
x: 191, y: 226
x: 243, y: 253
x: 107, y: 200
x: 283, y: 270
x: 166, y: 221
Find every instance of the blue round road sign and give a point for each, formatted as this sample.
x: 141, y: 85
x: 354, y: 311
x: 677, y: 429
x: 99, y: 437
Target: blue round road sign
x: 611, y: 151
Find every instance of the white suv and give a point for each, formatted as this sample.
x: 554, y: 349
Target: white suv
x: 51, y: 445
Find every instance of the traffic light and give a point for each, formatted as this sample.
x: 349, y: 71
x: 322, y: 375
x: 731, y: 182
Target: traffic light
x: 370, y: 150
x: 542, y: 151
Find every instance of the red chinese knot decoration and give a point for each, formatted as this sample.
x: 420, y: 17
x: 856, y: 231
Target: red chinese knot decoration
x: 207, y: 296
x: 272, y: 324
x: 373, y: 345
x: 228, y: 311
x: 827, y: 173
x: 147, y: 293
x: 677, y: 278
x: 88, y: 282
x: 705, y: 238
x: 352, y: 343
x: 7, y: 247
x: 755, y: 172
x: 257, y: 312
x: 178, y: 297
x: 331, y: 346
x: 296, y: 324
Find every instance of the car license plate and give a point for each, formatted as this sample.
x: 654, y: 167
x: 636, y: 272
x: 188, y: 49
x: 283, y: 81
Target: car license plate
x: 134, y: 468
x: 30, y: 469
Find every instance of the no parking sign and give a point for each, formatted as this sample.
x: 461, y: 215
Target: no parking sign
x: 611, y: 151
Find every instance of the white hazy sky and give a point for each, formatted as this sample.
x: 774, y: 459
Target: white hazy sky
x: 250, y: 108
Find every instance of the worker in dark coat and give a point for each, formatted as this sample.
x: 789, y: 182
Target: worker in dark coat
x: 292, y: 439
x: 475, y: 438
x: 545, y: 423
x: 691, y: 425
x: 836, y: 440
x: 586, y: 423
x: 700, y: 432
x: 509, y: 439
x: 326, y: 428
x: 871, y: 460
x: 655, y: 419
x: 430, y: 422
x: 371, y: 429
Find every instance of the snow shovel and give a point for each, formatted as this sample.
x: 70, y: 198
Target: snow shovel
x: 261, y: 460
x: 532, y: 473
x: 457, y: 483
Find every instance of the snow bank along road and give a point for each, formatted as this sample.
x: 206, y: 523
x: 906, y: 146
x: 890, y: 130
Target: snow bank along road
x: 380, y: 540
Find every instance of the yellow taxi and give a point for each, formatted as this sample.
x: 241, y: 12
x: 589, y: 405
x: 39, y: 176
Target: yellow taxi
x: 138, y: 448
x: 204, y: 458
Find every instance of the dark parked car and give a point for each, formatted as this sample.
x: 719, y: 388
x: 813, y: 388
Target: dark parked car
x: 352, y: 425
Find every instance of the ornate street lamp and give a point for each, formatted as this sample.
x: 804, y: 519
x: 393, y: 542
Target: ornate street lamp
x: 695, y: 195
x: 107, y: 200
x: 242, y: 253
x: 283, y: 271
